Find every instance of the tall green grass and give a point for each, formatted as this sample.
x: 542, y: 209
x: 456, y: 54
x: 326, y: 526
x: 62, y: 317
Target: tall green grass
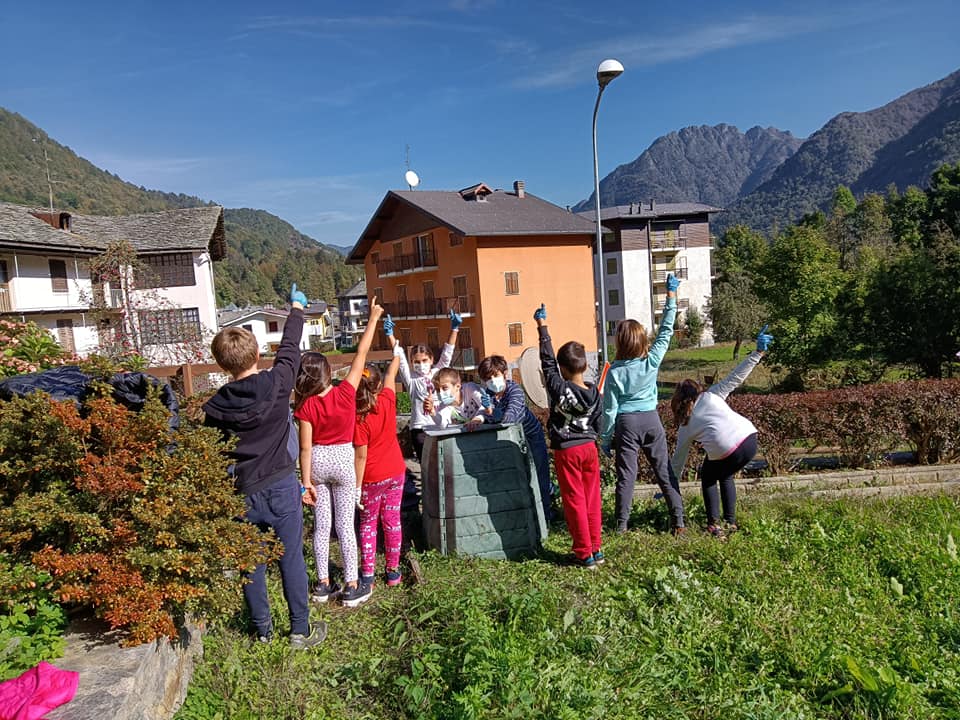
x: 814, y: 610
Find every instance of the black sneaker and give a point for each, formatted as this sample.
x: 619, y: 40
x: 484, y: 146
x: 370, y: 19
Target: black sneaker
x: 324, y: 591
x: 587, y: 563
x: 352, y: 597
x: 318, y: 633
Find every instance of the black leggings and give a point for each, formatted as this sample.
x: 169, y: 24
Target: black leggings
x: 722, y: 471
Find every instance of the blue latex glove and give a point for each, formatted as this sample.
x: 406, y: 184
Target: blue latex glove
x: 388, y: 326
x: 455, y: 320
x: 540, y: 313
x: 672, y: 283
x: 296, y: 296
x: 764, y: 339
x: 486, y: 400
x: 607, y: 450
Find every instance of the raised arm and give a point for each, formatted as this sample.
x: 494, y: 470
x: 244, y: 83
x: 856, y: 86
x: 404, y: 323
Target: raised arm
x: 398, y: 353
x: 286, y: 364
x: 446, y: 354
x: 390, y: 378
x: 665, y: 331
x: 548, y: 359
x: 360, y: 360
x: 742, y: 371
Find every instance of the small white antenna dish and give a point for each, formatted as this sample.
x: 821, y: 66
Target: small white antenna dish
x: 412, y: 179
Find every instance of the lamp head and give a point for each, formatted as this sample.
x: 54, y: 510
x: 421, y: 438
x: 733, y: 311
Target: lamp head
x: 608, y: 70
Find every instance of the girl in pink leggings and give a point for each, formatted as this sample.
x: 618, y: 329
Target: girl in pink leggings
x: 327, y: 415
x: 380, y: 470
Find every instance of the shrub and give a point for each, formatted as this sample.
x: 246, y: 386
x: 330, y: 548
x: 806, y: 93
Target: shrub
x: 126, y: 523
x: 27, y: 348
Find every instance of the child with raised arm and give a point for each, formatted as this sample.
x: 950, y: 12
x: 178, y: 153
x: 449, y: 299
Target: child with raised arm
x: 455, y: 402
x: 419, y: 380
x: 381, y: 470
x: 254, y: 407
x: 573, y: 425
x: 508, y: 404
x: 328, y: 417
x: 729, y: 439
x: 631, y: 423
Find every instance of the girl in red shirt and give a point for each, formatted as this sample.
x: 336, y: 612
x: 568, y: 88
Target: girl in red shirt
x: 327, y: 415
x: 380, y: 465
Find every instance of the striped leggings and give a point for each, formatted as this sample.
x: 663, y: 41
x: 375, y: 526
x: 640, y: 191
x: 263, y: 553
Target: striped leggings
x: 333, y: 475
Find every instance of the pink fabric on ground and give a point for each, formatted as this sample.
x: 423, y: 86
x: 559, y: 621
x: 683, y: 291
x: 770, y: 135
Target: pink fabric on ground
x: 36, y: 692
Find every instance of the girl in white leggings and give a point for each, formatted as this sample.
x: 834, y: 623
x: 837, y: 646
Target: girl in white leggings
x: 327, y: 415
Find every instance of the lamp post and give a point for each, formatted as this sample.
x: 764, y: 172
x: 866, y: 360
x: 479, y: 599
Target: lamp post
x: 606, y: 72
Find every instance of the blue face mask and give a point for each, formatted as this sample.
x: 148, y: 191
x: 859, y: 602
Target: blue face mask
x: 446, y: 398
x: 496, y: 385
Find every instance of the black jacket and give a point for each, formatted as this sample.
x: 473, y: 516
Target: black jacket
x: 256, y: 410
x: 574, y: 411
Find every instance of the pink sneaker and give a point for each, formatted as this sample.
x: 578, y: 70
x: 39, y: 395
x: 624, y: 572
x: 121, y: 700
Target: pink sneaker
x: 394, y: 577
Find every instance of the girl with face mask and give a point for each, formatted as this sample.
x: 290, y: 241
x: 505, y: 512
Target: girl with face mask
x: 418, y: 379
x: 506, y: 403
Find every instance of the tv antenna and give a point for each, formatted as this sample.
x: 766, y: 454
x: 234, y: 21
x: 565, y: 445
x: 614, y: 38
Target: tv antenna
x: 46, y: 163
x: 411, y: 178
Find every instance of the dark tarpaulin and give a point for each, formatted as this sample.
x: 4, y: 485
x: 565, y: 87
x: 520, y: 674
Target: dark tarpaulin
x: 69, y: 382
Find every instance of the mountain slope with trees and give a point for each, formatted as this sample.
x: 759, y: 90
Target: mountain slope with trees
x: 714, y: 165
x: 264, y: 252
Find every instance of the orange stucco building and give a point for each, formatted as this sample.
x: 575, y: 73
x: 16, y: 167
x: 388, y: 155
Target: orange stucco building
x: 491, y: 255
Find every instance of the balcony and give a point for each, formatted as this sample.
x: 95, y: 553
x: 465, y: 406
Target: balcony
x: 667, y: 242
x: 660, y: 276
x: 659, y: 300
x: 433, y: 308
x: 406, y: 264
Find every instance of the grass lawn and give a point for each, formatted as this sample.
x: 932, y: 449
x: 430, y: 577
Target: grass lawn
x: 814, y: 610
x: 703, y: 362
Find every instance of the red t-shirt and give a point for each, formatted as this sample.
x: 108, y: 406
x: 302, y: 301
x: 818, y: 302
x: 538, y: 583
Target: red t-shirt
x: 332, y: 416
x: 378, y: 431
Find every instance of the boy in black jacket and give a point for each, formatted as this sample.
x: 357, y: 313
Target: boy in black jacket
x: 254, y: 407
x: 573, y: 427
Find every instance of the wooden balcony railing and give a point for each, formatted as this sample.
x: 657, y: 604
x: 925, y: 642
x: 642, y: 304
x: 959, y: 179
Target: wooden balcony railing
x: 5, y: 305
x: 660, y: 276
x: 407, y: 263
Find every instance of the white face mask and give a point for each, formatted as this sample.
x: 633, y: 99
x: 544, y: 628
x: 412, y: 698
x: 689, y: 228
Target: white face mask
x: 422, y: 367
x: 496, y: 385
x: 446, y: 398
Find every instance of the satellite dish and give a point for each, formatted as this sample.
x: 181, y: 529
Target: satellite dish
x: 412, y: 179
x: 531, y: 377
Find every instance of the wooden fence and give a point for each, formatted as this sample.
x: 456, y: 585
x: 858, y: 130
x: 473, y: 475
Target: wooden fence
x: 186, y: 374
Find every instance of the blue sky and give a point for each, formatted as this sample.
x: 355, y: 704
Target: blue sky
x: 305, y: 109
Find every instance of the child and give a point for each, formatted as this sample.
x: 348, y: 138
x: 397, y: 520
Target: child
x: 380, y: 466
x: 573, y: 424
x: 455, y: 403
x: 729, y: 439
x: 509, y: 405
x: 419, y: 383
x: 630, y: 417
x: 328, y: 416
x: 254, y: 407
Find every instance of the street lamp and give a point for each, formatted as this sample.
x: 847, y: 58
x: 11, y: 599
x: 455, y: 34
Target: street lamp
x: 608, y: 70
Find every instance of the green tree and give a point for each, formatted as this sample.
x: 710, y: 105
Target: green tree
x: 735, y: 310
x: 740, y: 250
x: 693, y: 326
x: 909, y: 215
x: 839, y: 229
x: 945, y: 196
x: 800, y: 284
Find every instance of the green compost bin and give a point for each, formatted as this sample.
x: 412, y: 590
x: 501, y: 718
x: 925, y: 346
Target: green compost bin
x: 481, y: 496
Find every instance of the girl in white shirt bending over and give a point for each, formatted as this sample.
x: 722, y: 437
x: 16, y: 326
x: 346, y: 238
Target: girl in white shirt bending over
x: 729, y: 439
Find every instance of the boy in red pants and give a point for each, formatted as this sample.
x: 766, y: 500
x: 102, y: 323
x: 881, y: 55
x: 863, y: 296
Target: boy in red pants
x: 573, y: 426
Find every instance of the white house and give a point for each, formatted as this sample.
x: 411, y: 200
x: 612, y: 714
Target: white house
x: 643, y: 244
x: 45, y: 276
x: 354, y: 312
x: 267, y: 323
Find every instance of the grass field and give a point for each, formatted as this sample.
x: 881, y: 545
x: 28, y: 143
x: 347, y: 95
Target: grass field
x: 702, y: 363
x: 814, y: 610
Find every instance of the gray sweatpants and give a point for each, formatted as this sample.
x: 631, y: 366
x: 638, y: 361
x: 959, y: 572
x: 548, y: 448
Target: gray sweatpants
x: 633, y: 433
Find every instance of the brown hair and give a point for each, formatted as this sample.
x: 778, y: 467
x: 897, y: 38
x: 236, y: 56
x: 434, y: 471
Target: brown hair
x: 421, y: 349
x: 448, y: 374
x: 235, y: 349
x: 314, y: 378
x: 489, y: 365
x: 632, y: 341
x: 683, y: 400
x: 572, y: 357
x: 367, y: 390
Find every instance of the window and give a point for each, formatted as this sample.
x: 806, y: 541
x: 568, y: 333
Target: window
x: 58, y: 275
x: 613, y: 296
x: 4, y: 278
x: 398, y: 249
x: 611, y: 266
x: 273, y: 326
x: 378, y: 294
x: 375, y: 261
x: 515, y: 331
x: 65, y: 335
x: 512, y: 281
x: 612, y: 327
x: 429, y: 304
x: 460, y: 293
x: 161, y: 327
x: 406, y: 337
x: 464, y: 337
x: 455, y: 239
x: 170, y: 270
x: 433, y: 338
x: 248, y: 328
x: 426, y: 256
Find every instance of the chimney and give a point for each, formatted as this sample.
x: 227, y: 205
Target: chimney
x: 519, y: 188
x: 652, y: 205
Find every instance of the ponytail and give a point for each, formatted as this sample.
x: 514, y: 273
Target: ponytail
x: 683, y: 400
x: 367, y: 390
